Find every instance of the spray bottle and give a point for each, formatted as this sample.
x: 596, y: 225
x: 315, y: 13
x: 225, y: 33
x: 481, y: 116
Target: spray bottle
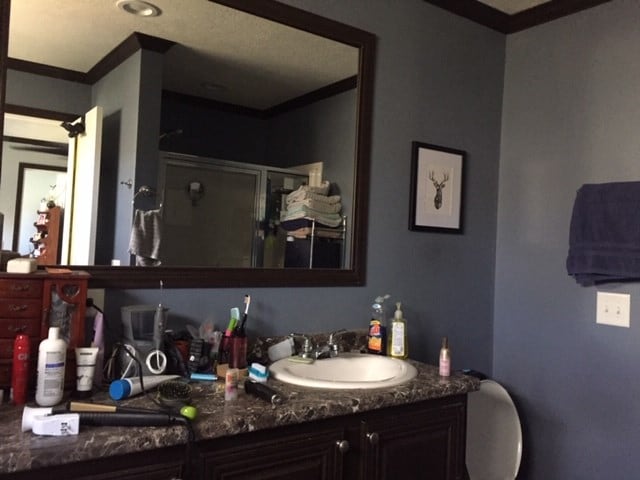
x: 377, y: 339
x: 20, y: 371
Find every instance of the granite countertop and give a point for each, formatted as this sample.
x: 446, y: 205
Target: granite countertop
x: 216, y: 418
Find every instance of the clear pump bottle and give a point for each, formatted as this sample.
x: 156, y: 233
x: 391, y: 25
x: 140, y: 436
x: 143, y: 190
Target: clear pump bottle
x: 398, y: 342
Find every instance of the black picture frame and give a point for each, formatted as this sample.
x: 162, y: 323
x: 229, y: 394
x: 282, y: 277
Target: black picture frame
x: 437, y: 181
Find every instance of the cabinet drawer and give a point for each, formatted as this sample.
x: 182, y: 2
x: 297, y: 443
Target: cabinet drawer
x: 10, y: 327
x: 20, y: 289
x: 20, y: 308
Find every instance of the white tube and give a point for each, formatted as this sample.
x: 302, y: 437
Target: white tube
x: 128, y: 387
x: 86, y: 366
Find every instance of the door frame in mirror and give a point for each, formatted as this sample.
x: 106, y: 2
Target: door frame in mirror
x: 203, y: 277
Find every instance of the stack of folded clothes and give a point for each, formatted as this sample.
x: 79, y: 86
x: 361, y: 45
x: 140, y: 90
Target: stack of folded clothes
x: 308, y: 205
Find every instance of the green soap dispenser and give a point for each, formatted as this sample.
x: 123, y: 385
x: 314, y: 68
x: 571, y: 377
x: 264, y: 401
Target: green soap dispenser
x: 398, y: 342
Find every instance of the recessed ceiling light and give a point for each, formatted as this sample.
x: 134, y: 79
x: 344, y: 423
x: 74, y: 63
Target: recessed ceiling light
x: 139, y: 8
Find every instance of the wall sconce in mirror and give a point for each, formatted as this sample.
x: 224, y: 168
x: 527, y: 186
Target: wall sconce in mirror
x: 196, y: 192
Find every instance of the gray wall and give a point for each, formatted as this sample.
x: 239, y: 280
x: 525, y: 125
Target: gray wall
x: 438, y: 80
x: 571, y: 114
x: 129, y: 96
x: 34, y: 91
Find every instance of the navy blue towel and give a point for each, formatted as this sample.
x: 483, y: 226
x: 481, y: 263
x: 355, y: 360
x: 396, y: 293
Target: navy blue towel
x: 604, y: 237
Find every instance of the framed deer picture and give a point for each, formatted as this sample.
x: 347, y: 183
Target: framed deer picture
x: 436, y: 188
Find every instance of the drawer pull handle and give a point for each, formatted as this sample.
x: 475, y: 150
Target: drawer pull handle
x: 20, y: 287
x: 373, y: 438
x: 343, y: 446
x: 18, y: 308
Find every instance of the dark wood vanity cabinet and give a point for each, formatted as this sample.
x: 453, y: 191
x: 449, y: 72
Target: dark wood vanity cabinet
x: 422, y: 441
x: 417, y: 441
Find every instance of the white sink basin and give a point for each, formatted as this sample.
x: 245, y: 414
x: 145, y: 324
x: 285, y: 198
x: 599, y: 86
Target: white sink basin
x: 348, y: 370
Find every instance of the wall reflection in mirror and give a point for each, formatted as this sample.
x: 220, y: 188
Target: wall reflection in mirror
x: 228, y: 144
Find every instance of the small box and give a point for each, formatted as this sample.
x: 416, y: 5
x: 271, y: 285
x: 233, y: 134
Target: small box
x: 22, y: 265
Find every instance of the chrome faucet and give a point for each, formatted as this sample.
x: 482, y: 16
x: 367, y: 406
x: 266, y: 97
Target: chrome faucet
x: 332, y: 344
x: 315, y: 352
x: 307, y: 350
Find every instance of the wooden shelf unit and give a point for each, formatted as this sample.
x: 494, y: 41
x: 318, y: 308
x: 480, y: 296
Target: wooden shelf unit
x: 48, y: 236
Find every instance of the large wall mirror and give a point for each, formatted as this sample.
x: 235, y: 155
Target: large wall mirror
x: 205, y: 117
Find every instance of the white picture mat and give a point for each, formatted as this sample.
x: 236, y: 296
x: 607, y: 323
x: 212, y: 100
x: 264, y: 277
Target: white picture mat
x: 446, y: 169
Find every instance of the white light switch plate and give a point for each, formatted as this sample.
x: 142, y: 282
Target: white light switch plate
x: 613, y: 309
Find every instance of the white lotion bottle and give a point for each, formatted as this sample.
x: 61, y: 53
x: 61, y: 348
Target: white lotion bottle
x: 52, y: 355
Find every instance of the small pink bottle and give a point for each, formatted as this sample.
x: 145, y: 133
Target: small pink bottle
x: 445, y: 359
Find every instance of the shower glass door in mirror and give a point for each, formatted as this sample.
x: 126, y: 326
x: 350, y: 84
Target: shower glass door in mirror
x: 220, y: 213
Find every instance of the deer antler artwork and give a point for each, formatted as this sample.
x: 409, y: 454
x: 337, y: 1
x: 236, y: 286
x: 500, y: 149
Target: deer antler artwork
x: 437, y: 200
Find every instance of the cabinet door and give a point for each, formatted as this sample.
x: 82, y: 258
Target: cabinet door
x: 423, y: 443
x: 311, y: 455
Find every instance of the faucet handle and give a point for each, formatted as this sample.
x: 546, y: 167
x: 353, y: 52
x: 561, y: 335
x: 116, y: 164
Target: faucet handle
x: 331, y: 343
x: 331, y: 340
x: 307, y: 346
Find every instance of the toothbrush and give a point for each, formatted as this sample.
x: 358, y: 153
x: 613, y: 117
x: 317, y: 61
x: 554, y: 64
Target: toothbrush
x: 247, y: 301
x: 233, y: 322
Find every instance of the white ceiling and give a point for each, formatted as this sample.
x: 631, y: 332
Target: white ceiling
x: 249, y: 61
x: 253, y: 62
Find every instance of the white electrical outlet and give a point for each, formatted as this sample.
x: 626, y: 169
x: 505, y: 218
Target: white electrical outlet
x: 613, y: 309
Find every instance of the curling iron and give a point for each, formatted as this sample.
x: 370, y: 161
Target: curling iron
x: 43, y: 421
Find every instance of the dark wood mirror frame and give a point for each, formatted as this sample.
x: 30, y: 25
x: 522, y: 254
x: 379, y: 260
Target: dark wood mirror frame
x: 203, y: 277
